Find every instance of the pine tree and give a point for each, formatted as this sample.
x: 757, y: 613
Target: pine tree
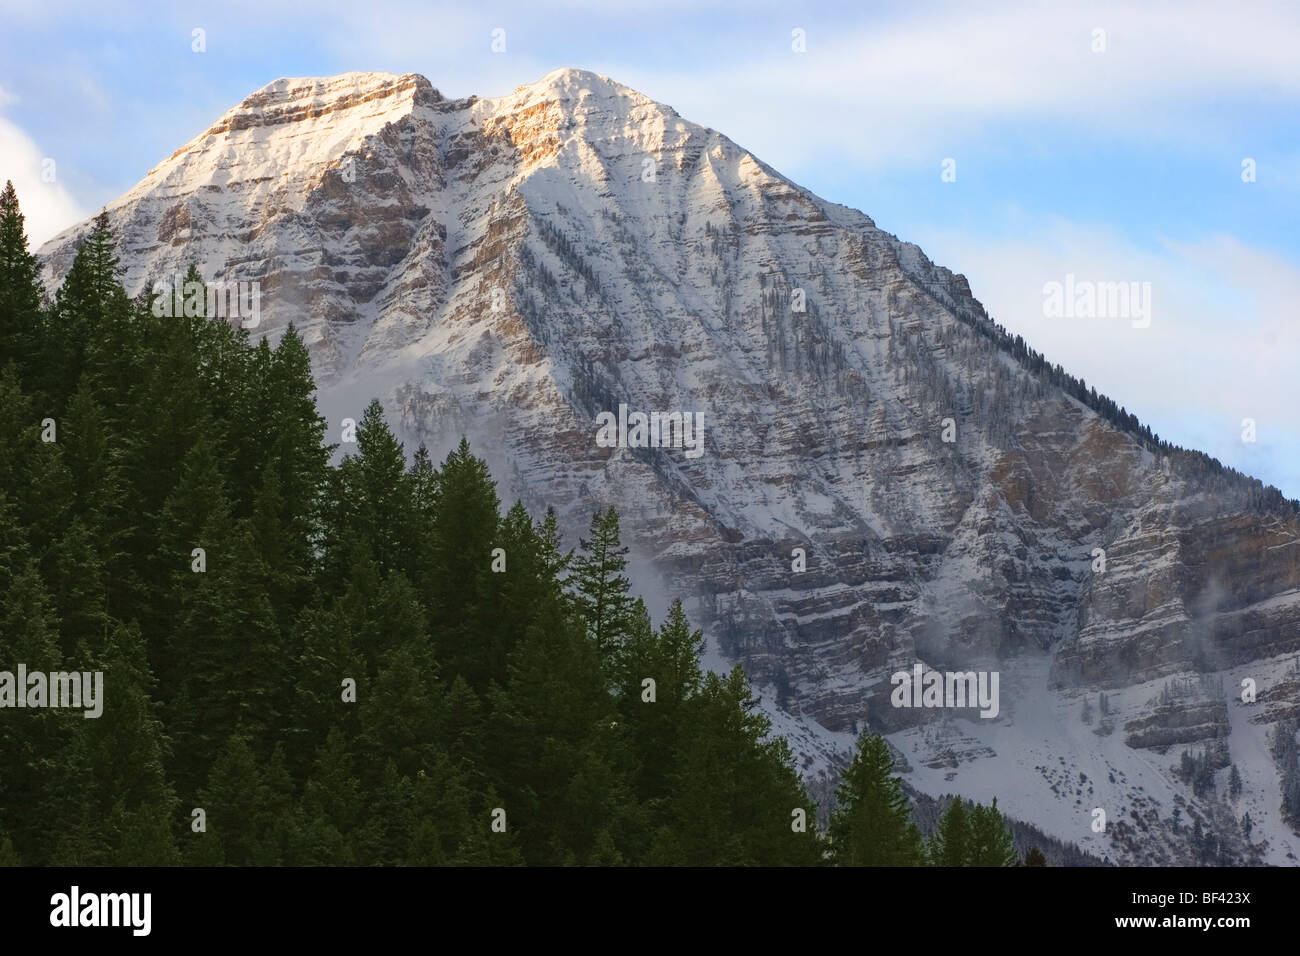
x: 461, y: 590
x: 76, y: 580
x: 120, y: 760
x: 655, y: 713
x: 230, y: 646
x: 168, y: 416
x: 234, y: 801
x: 329, y: 658
x: 950, y: 844
x: 599, y: 584
x: 20, y: 289
x: 90, y: 308
x: 197, y: 503
x: 444, y: 813
x: 526, y: 591
x: 483, y: 846
x: 297, y: 454
x: 991, y: 842
x: 8, y: 855
x: 94, y: 464
x: 385, y: 831
x: 400, y: 713
x: 284, y: 550
x: 556, y: 560
x: 871, y: 824
x: 32, y: 471
x: 736, y: 788
x: 332, y: 803
x: 556, y: 741
x: 371, y: 499
x: 37, y: 743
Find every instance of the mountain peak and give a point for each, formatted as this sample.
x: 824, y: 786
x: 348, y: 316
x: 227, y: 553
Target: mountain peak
x: 565, y: 84
x: 292, y: 98
x: 329, y: 87
x: 569, y: 78
x: 573, y: 86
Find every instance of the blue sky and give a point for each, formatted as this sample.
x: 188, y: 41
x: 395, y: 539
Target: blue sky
x: 1115, y: 164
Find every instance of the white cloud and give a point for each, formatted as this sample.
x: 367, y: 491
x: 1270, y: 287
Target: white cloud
x: 1223, y: 343
x: 48, y: 207
x: 907, y: 88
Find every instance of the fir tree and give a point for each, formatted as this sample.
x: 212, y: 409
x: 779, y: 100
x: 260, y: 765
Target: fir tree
x: 37, y: 748
x: 127, y: 796
x: 556, y: 739
x: 1034, y: 858
x: 991, y: 842
x: 736, y: 788
x: 20, y: 289
x: 371, y: 499
x: 871, y: 824
x: 461, y: 589
x: 234, y: 802
x: 655, y: 714
x: 950, y: 844
x: 8, y: 855
x: 90, y: 308
x: 599, y: 584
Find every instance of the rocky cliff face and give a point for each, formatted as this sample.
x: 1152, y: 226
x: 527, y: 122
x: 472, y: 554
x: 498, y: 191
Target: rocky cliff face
x: 509, y: 268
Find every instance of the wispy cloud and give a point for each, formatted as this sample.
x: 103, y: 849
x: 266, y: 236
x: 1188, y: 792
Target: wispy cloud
x: 1223, y: 344
x: 47, y: 206
x: 892, y: 90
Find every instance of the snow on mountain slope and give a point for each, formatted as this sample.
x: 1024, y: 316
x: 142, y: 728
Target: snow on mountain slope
x: 1056, y: 770
x: 509, y: 268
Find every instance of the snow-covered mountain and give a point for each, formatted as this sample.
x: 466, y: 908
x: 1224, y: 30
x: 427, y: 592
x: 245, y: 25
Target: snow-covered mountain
x: 509, y: 268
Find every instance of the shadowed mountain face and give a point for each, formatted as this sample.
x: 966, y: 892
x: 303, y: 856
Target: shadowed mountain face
x: 510, y: 268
